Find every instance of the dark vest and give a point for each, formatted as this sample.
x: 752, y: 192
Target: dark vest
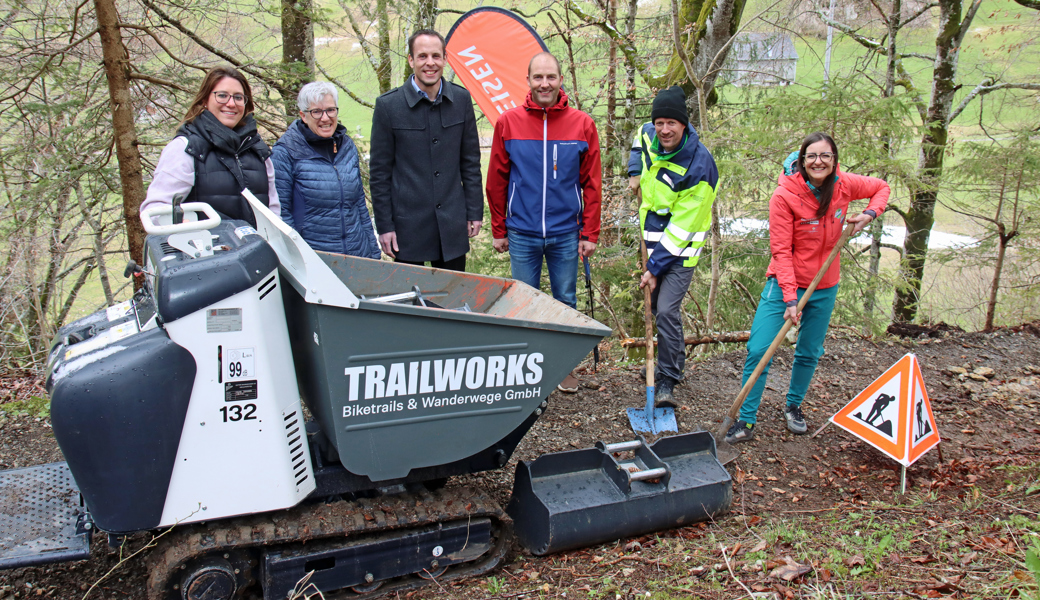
x: 226, y: 162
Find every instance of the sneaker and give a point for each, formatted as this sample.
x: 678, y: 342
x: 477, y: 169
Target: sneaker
x: 739, y: 432
x: 663, y: 393
x: 795, y: 419
x: 569, y: 385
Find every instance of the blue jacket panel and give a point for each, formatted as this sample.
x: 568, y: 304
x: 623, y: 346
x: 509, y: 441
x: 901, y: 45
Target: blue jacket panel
x: 324, y: 199
x: 551, y: 176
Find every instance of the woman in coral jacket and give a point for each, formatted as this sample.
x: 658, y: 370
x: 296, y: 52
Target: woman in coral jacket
x: 807, y: 214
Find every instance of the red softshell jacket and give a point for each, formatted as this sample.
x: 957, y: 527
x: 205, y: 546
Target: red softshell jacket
x: 800, y: 241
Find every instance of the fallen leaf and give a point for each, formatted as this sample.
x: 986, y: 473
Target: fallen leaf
x: 854, y: 560
x: 967, y: 558
x: 627, y: 572
x: 533, y: 575
x: 992, y: 543
x: 633, y: 546
x: 779, y: 491
x: 546, y: 588
x: 921, y: 560
x: 760, y: 546
x: 790, y: 570
x: 755, y: 520
x: 825, y: 575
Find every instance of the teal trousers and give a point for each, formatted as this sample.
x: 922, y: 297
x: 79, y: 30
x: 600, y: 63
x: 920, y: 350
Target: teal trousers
x: 769, y: 319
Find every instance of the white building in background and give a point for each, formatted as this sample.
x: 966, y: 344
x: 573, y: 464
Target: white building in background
x: 762, y: 59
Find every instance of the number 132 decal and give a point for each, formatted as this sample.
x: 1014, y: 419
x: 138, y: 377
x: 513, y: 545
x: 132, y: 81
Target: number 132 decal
x: 239, y: 412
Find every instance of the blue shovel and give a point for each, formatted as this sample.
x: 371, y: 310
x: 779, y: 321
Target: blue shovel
x: 650, y: 420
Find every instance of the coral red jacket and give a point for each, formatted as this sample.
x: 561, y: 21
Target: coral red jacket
x: 545, y: 177
x: 800, y: 241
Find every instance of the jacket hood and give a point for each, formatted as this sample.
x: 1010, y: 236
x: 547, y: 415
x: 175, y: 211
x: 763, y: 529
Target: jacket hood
x: 561, y: 103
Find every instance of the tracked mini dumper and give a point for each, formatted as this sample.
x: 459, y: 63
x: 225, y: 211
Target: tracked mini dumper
x: 180, y: 411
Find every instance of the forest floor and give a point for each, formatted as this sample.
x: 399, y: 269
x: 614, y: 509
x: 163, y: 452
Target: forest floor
x: 811, y: 517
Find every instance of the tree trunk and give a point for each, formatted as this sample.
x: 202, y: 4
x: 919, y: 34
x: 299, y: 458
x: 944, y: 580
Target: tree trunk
x: 426, y: 14
x: 611, y: 126
x: 991, y: 306
x: 706, y: 28
x: 921, y: 215
x: 384, y: 72
x: 297, y: 52
x: 870, y: 294
x: 124, y: 133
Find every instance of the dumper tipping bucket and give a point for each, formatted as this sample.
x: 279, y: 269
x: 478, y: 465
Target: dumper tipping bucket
x: 568, y: 500
x: 433, y: 366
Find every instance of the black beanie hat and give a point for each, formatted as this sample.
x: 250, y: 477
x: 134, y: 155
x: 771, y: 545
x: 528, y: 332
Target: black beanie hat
x: 670, y: 103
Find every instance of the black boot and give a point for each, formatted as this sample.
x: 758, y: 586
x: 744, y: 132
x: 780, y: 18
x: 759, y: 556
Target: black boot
x: 663, y: 393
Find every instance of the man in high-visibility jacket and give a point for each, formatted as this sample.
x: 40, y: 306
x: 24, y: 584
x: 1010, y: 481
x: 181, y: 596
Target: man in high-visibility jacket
x: 676, y: 178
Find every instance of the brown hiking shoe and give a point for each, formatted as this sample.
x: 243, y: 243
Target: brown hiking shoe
x: 569, y: 385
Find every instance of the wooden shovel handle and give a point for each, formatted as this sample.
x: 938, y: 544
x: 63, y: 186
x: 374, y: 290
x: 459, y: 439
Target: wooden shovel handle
x: 647, y: 320
x: 744, y: 391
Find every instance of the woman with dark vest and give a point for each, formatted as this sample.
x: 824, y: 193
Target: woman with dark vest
x: 217, y: 152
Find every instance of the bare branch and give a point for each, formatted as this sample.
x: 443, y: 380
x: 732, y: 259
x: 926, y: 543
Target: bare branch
x: 157, y: 81
x: 986, y: 86
x: 338, y: 84
x: 150, y: 33
x: 50, y: 58
x: 917, y: 14
x: 209, y: 47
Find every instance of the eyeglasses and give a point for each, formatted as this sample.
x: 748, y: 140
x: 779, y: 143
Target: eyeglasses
x: 223, y: 97
x: 824, y: 156
x: 317, y: 113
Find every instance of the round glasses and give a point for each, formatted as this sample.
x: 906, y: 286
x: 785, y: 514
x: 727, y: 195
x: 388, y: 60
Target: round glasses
x: 824, y: 156
x: 317, y: 113
x: 224, y: 97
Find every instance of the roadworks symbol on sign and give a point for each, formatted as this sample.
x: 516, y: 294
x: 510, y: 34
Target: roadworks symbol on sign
x: 893, y: 413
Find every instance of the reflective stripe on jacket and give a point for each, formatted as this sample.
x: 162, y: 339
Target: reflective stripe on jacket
x: 678, y: 191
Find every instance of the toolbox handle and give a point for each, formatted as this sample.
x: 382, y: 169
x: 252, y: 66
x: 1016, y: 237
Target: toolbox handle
x: 648, y: 474
x: 622, y: 446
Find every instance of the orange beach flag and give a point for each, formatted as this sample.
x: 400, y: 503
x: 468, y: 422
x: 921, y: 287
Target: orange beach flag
x: 893, y: 413
x: 489, y: 48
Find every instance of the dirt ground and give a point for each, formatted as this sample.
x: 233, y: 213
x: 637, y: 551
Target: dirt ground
x: 811, y: 518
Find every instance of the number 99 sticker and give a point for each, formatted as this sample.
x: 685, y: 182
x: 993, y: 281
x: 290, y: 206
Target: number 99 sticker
x: 240, y: 363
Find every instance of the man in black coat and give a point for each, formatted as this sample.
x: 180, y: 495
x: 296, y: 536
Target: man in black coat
x: 425, y: 165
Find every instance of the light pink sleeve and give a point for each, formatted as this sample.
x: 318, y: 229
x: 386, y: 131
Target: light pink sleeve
x: 174, y: 174
x: 272, y: 191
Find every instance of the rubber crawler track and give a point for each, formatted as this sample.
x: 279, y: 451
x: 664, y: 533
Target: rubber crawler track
x: 338, y: 519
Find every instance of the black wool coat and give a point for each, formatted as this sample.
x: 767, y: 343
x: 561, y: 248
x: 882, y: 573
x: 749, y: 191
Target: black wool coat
x: 425, y: 171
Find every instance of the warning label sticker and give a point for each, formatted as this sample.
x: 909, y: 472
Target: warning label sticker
x: 235, y: 391
x: 223, y: 320
x: 118, y: 311
x: 242, y: 232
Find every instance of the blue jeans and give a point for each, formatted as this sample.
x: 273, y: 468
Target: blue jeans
x: 769, y: 319
x: 561, y: 258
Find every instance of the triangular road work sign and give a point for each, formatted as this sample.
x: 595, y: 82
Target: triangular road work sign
x: 893, y: 413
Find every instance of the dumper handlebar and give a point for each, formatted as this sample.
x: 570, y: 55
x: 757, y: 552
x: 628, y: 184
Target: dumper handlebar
x: 212, y: 218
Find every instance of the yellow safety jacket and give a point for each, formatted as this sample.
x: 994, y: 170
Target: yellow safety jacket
x: 678, y: 190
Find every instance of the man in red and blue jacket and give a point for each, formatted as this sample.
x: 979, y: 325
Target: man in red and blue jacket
x: 544, y: 183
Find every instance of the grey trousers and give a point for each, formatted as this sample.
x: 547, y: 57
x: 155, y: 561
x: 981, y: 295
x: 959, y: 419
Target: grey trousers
x: 666, y: 303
